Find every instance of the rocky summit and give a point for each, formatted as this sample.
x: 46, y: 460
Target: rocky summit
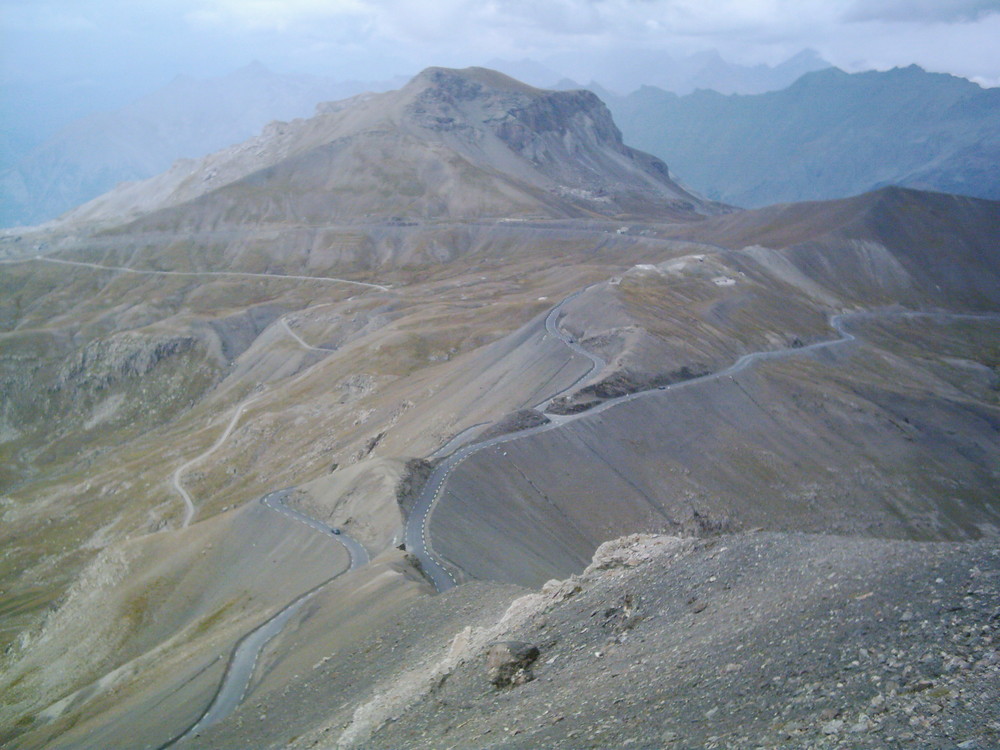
x: 444, y: 418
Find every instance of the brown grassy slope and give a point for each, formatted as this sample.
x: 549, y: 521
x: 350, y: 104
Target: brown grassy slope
x: 145, y: 618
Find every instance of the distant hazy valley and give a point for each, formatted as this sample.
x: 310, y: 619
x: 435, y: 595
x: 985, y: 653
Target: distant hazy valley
x: 446, y: 417
x: 186, y: 119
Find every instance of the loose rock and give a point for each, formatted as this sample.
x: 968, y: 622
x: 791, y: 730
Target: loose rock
x: 509, y: 663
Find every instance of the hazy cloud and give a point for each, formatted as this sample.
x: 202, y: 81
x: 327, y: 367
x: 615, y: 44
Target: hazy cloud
x: 418, y: 19
x: 152, y: 40
x: 922, y: 11
x: 275, y: 15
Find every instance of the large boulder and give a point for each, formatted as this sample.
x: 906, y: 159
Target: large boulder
x: 509, y: 663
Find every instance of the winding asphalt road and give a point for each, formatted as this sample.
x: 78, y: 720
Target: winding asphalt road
x: 243, y: 660
x: 299, y: 339
x: 276, y: 502
x: 239, y: 274
x: 417, y: 534
x: 189, y: 507
x: 552, y: 328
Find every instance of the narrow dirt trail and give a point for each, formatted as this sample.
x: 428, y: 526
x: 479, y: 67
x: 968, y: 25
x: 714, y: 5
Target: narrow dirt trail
x: 189, y: 507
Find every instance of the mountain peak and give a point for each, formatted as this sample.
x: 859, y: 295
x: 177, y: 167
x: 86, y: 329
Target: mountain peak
x: 471, y: 81
x: 821, y: 78
x: 451, y: 143
x: 807, y: 57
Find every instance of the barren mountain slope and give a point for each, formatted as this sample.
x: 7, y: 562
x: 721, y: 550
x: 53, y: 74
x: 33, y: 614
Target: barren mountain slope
x: 741, y: 641
x: 358, y: 374
x: 892, y: 245
x: 728, y: 454
x: 763, y: 373
x: 854, y: 440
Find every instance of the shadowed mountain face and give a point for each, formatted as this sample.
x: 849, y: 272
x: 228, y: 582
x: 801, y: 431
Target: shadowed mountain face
x: 829, y: 135
x: 451, y: 144
x: 339, y: 304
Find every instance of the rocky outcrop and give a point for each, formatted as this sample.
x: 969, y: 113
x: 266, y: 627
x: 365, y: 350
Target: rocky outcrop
x: 568, y: 141
x: 523, y: 419
x: 103, y: 362
x: 408, y: 489
x: 237, y: 332
x: 621, y: 383
x: 523, y: 117
x: 509, y: 663
x: 635, y: 549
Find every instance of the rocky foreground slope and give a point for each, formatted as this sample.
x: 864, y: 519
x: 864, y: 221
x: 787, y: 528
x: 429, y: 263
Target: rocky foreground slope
x: 760, y: 639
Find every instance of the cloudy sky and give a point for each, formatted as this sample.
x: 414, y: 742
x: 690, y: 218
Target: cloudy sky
x: 121, y: 48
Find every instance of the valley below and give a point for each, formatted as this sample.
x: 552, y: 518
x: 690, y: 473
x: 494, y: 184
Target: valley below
x: 289, y: 451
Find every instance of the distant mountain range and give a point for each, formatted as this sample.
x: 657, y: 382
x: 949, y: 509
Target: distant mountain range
x: 187, y: 118
x: 681, y: 75
x: 829, y: 135
x: 191, y: 117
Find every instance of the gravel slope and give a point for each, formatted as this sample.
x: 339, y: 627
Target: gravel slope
x: 765, y: 639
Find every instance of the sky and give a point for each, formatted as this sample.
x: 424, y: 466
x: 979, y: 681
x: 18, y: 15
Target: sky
x: 86, y: 53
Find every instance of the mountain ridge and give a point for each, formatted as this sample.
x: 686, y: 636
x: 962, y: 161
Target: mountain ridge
x: 933, y: 236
